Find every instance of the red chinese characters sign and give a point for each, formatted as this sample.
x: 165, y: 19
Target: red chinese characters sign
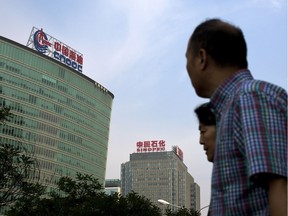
x: 150, y: 146
x: 48, y: 45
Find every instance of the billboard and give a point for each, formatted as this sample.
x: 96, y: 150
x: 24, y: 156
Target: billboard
x: 150, y: 146
x: 47, y: 45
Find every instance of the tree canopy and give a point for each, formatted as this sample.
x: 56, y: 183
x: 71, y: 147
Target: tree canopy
x: 18, y: 170
x: 83, y: 197
x: 182, y: 212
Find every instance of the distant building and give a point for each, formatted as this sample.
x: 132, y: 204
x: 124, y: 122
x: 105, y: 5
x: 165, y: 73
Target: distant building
x: 160, y: 175
x: 112, y: 186
x: 195, y: 198
x: 60, y: 114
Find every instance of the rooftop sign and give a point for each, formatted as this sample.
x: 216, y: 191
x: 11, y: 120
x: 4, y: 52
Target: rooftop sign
x: 45, y: 44
x: 178, y: 152
x: 150, y: 146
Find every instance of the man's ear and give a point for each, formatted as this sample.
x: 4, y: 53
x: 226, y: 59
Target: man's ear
x: 202, y: 58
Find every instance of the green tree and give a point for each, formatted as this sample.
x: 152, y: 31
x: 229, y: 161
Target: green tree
x: 182, y: 212
x: 140, y: 206
x: 18, y: 170
x: 84, y: 197
x: 16, y: 174
x: 5, y: 114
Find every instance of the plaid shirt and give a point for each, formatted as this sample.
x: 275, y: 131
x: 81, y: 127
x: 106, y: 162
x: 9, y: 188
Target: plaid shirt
x: 251, y: 120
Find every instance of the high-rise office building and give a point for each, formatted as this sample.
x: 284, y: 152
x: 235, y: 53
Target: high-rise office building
x: 59, y: 114
x: 158, y: 174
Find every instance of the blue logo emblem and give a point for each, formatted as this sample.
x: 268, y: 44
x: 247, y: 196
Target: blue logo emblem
x: 41, y: 42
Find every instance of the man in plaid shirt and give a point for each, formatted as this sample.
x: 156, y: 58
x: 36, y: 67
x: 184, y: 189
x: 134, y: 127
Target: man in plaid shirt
x: 250, y: 161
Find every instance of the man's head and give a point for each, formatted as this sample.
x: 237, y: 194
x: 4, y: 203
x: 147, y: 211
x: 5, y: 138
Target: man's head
x: 207, y: 128
x: 214, y: 46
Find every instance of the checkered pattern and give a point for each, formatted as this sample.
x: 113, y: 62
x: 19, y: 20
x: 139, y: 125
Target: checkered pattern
x: 251, y: 120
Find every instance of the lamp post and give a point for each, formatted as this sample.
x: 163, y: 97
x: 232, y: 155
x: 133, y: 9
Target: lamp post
x: 202, y: 208
x: 164, y: 202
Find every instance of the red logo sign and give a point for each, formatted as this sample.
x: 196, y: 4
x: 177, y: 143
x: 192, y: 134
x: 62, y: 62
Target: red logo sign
x: 150, y: 146
x: 48, y: 45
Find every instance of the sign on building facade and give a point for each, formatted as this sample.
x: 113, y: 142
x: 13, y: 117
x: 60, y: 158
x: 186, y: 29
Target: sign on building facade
x: 47, y: 45
x: 150, y: 146
x: 178, y: 152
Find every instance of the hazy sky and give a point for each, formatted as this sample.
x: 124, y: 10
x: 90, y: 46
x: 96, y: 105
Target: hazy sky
x: 136, y: 49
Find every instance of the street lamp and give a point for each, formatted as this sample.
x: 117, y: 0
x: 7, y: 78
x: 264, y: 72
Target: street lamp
x: 202, y: 208
x: 164, y: 202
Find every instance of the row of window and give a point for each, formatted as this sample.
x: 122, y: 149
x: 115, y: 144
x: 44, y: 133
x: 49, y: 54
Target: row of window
x: 70, y: 137
x: 51, y: 95
x: 97, y: 157
x: 44, y: 152
x: 50, y: 106
x: 47, y: 128
x: 31, y: 136
x: 4, y: 140
x: 71, y: 79
x: 12, y: 131
x: 84, y: 132
x: 16, y: 119
x: 46, y: 140
x: 63, y: 169
x: 40, y: 151
x: 49, y: 117
x: 65, y: 159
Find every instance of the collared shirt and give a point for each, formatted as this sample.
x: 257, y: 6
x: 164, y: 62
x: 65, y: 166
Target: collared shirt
x: 251, y: 118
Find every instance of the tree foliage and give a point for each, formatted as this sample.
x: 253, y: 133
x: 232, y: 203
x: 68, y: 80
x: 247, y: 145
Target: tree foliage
x: 182, y: 212
x: 18, y: 170
x: 83, y: 197
x: 16, y: 174
x: 5, y: 114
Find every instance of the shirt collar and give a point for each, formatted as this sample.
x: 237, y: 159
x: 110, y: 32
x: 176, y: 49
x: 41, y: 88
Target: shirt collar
x: 224, y: 91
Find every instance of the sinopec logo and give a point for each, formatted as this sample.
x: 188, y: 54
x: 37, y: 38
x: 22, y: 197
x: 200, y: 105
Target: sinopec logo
x: 41, y: 42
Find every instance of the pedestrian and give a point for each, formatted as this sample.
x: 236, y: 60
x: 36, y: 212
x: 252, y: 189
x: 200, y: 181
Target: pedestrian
x: 207, y: 128
x: 249, y: 174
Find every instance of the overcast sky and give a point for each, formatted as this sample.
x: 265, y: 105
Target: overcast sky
x: 136, y: 49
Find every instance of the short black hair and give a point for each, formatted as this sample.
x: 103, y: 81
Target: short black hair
x: 224, y: 42
x: 205, y: 114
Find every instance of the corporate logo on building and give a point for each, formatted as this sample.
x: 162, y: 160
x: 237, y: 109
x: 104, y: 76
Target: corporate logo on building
x: 178, y: 152
x: 47, y: 45
x: 157, y: 146
x: 150, y: 146
x: 41, y: 42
